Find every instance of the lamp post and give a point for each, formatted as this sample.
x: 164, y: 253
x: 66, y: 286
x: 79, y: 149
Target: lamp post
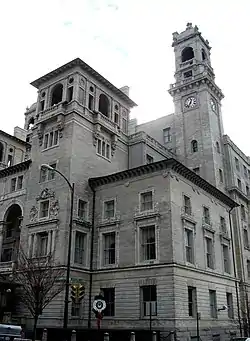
x: 66, y: 299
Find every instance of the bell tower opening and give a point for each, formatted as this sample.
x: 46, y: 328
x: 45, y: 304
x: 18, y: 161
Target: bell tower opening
x: 187, y: 54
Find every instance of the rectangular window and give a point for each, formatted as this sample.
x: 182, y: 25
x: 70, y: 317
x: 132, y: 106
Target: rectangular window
x: 209, y: 253
x: 109, y: 297
x: 79, y: 247
x: 44, y: 209
x: 81, y: 95
x: 148, y: 247
x: 226, y: 260
x: 70, y: 92
x: 206, y: 215
x: 196, y: 170
x: 50, y: 139
x: 13, y: 185
x: 247, y: 190
x: 239, y: 184
x: 189, y: 245
x: 7, y: 255
x: 243, y: 212
x: 167, y: 135
x: 221, y: 175
x: 230, y: 309
x: 51, y: 173
x: 103, y: 149
x: 109, y: 209
x: 237, y: 165
x: 146, y: 201
x: 245, y: 238
x: 82, y: 209
x: 75, y: 309
x: 91, y: 102
x: 124, y: 126
x: 10, y: 161
x: 213, y: 303
x: 187, y: 205
x: 245, y: 171
x: 109, y: 248
x: 149, y: 159
x: 248, y: 269
x: 116, y: 118
x: 223, y: 226
x: 20, y: 182
x: 42, y: 244
x: 148, y: 300
x: 192, y: 301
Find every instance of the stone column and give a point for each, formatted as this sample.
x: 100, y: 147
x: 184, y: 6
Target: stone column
x: 49, y: 242
x: 53, y: 241
x: 1, y: 237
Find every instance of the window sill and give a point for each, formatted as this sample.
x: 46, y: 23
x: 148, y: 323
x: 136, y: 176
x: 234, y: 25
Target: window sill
x: 103, y: 157
x: 49, y: 148
x: 148, y: 262
x: 108, y: 266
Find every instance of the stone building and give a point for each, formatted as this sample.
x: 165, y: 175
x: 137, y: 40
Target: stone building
x: 160, y: 209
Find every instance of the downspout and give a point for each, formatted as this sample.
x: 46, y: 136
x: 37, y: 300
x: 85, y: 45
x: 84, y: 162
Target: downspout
x: 235, y: 274
x: 91, y: 255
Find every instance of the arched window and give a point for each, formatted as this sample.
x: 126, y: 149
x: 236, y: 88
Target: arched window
x: 1, y: 152
x: 194, y: 145
x: 203, y: 54
x: 104, y: 105
x: 11, y: 233
x: 57, y: 93
x: 31, y: 123
x: 217, y: 147
x: 187, y: 54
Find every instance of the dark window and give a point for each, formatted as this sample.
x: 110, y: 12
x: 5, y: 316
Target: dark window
x: 42, y: 244
x: 248, y: 269
x: 223, y: 226
x: 31, y: 123
x: 239, y: 183
x: 7, y: 255
x: 221, y: 175
x: 51, y: 173
x: 109, y: 248
x: 226, y: 260
x: 187, y: 54
x: 213, y: 303
x: 82, y: 209
x: 79, y: 247
x: 91, y: 102
x: 217, y: 147
x: 230, y: 309
x: 109, y: 297
x: 116, y: 118
x: 104, y: 105
x: 194, y: 145
x: 187, y: 205
x: 1, y: 152
x: 209, y: 253
x: 20, y: 182
x: 81, y: 95
x: 13, y: 185
x: 203, y: 54
x: 109, y: 209
x: 188, y: 74
x: 148, y: 247
x: 149, y: 300
x: 206, y: 215
x: 146, y: 201
x: 149, y: 159
x: 196, y: 170
x: 191, y: 301
x: 10, y: 160
x: 57, y: 93
x: 189, y: 245
x: 70, y: 93
x: 243, y: 212
x: 42, y: 105
x: 44, y: 209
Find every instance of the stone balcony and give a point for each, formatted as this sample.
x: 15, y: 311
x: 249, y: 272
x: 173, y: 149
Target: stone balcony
x: 106, y: 123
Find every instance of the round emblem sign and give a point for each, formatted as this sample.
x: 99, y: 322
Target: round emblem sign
x: 99, y: 305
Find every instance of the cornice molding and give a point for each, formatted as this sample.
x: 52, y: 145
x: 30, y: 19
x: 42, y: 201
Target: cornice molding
x: 15, y: 169
x: 172, y: 164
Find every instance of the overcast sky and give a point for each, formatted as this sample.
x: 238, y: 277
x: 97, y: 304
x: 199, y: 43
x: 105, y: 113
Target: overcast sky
x: 129, y: 43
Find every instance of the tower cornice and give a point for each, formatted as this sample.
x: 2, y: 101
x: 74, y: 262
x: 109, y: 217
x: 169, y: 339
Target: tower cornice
x: 195, y: 82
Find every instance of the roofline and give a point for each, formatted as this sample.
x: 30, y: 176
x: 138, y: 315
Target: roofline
x: 161, y: 165
x: 78, y: 62
x: 14, y: 169
x: 14, y: 138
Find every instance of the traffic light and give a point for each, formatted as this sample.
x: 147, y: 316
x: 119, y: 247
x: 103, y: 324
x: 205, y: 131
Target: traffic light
x: 81, y: 292
x: 74, y: 293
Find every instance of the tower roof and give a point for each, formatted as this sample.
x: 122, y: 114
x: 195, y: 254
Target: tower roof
x: 85, y: 67
x: 189, y: 32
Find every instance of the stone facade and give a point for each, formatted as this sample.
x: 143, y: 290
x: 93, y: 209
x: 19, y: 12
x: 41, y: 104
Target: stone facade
x: 156, y: 213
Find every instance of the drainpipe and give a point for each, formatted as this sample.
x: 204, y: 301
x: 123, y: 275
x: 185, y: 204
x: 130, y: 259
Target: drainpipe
x: 235, y: 273
x: 91, y: 255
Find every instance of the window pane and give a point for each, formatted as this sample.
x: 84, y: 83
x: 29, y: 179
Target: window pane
x: 109, y: 248
x: 148, y: 247
x: 146, y: 201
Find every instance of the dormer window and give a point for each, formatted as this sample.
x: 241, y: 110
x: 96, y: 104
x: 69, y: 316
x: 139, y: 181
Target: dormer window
x: 57, y: 94
x: 104, y: 105
x: 187, y: 54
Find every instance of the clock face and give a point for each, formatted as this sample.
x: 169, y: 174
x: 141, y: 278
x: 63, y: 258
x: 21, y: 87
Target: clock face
x: 213, y: 104
x: 190, y: 102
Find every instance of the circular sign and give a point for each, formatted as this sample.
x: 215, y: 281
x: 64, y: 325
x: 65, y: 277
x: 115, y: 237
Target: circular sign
x: 99, y: 305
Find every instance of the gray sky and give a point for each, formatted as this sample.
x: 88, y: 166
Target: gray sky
x: 128, y: 42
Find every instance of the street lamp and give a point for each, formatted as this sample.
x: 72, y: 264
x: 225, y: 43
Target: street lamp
x: 66, y: 300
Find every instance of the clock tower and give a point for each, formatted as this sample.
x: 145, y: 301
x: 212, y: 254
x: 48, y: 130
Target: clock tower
x: 197, y: 126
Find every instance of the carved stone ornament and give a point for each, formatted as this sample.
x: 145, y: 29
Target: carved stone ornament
x: 54, y: 208
x: 95, y: 137
x: 113, y: 147
x: 60, y: 125
x: 45, y: 194
x: 33, y: 213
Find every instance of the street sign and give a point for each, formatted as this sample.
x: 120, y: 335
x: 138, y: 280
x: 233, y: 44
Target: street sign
x: 99, y: 305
